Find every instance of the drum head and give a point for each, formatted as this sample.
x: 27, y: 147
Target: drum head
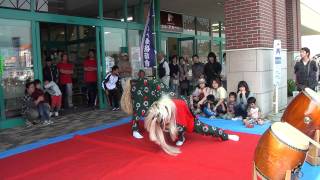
x: 312, y: 95
x: 288, y: 136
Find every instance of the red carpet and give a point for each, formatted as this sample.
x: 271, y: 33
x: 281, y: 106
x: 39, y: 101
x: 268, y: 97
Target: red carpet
x: 114, y: 154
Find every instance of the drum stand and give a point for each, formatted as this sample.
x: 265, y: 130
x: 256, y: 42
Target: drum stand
x: 256, y: 175
x: 313, y: 155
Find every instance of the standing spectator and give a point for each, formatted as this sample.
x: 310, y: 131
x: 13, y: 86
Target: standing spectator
x: 125, y: 69
x: 242, y: 100
x: 183, y: 77
x: 163, y: 69
x: 90, y: 77
x: 213, y: 68
x: 197, y: 70
x: 111, y: 86
x: 306, y: 71
x: 65, y: 80
x: 224, y: 71
x: 53, y: 89
x: 174, y: 74
x: 50, y: 70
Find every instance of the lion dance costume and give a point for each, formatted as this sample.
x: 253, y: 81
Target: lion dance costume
x: 163, y: 113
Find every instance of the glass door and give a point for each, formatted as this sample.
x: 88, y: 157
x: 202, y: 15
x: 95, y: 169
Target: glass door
x: 164, y: 45
x: 187, y: 48
x: 16, y: 65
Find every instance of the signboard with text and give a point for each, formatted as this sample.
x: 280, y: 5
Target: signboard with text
x: 277, y: 61
x: 171, y: 22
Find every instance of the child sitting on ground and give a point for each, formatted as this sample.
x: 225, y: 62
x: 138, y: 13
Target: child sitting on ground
x: 208, y: 108
x: 53, y: 89
x: 230, y: 106
x: 42, y: 105
x: 254, y: 114
x: 198, y: 95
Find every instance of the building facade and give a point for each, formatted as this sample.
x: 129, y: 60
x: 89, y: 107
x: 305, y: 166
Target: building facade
x: 245, y: 30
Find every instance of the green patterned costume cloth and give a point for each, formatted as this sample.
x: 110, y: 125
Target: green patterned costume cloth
x: 144, y: 93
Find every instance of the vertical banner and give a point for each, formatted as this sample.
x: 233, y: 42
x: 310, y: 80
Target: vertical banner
x: 277, y: 62
x: 1, y: 65
x: 148, y: 55
x: 276, y: 72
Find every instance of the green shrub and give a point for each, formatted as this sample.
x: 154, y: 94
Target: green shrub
x: 291, y: 86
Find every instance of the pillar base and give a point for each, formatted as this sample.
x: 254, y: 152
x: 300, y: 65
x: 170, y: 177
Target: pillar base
x: 255, y: 66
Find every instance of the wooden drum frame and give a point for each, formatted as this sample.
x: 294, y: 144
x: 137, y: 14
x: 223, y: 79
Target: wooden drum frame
x: 304, y: 112
x: 279, y: 150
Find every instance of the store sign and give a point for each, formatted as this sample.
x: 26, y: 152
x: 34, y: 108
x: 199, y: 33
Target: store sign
x: 171, y: 22
x: 277, y: 62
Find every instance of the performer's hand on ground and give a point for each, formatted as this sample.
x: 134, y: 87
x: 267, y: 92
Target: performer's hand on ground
x: 233, y: 137
x: 137, y: 135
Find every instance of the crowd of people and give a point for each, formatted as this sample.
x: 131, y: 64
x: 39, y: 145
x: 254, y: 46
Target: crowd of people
x: 203, y: 83
x: 44, y: 100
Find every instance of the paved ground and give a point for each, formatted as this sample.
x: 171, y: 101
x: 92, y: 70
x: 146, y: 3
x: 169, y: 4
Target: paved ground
x: 76, y: 119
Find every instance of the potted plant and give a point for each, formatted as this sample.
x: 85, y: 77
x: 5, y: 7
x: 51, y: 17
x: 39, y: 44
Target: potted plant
x: 291, y: 87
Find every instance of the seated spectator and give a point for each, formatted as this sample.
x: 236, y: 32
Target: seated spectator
x: 198, y: 95
x: 242, y: 100
x: 220, y: 95
x: 230, y: 106
x: 29, y: 107
x: 42, y: 106
x: 254, y: 113
x: 208, y: 107
x: 112, y: 87
x: 56, y: 96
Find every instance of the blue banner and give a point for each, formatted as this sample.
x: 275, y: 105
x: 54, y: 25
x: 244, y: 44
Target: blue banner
x: 147, y: 44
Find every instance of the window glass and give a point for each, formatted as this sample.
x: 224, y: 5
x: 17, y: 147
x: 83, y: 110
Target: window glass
x: 203, y: 50
x: 15, y: 62
x: 16, y: 4
x: 113, y: 10
x: 202, y: 26
x: 69, y: 7
x: 115, y: 44
x: 189, y: 25
x: 134, y: 51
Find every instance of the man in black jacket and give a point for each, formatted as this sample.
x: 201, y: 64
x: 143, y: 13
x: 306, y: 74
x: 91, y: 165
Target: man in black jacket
x: 50, y: 71
x: 306, y: 71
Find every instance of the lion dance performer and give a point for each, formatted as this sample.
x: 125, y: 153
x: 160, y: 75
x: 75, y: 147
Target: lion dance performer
x: 144, y: 98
